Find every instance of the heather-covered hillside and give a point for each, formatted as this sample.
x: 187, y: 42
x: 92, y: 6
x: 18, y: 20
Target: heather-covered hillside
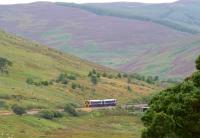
x: 130, y: 45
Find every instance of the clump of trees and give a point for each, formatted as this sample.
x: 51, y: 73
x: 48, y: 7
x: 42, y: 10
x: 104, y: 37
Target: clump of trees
x: 38, y: 83
x: 175, y: 112
x: 148, y: 79
x: 63, y: 78
x: 4, y: 64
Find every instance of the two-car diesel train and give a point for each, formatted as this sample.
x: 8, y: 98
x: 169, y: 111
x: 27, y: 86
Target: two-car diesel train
x: 101, y: 103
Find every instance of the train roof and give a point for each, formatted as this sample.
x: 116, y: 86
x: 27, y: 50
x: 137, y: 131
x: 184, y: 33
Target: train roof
x: 102, y: 100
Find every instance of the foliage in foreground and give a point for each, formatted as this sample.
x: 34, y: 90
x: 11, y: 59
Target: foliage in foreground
x: 175, y: 112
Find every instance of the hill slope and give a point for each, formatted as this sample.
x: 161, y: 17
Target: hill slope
x: 39, y: 63
x: 107, y: 40
x: 181, y: 15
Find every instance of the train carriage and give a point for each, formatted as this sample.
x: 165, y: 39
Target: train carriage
x: 101, y: 103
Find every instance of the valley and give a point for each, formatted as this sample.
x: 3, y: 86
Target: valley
x: 100, y: 70
x: 126, y: 44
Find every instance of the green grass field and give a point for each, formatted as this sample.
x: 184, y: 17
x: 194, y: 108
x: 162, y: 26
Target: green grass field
x: 86, y: 126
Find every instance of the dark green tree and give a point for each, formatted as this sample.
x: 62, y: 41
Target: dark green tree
x: 162, y: 126
x: 198, y: 63
x: 175, y: 112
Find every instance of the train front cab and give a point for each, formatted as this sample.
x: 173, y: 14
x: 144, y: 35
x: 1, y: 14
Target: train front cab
x: 87, y: 104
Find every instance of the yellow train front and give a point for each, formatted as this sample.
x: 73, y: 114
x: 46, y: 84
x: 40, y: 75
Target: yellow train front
x: 101, y: 103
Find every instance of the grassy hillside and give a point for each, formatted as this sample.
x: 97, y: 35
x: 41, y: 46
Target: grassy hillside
x: 32, y: 61
x: 107, y: 40
x: 39, y: 63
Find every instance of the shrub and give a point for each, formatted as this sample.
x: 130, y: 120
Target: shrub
x: 74, y: 85
x: 156, y: 78
x: 119, y: 75
x: 3, y: 104
x: 110, y: 76
x: 71, y: 77
x: 94, y: 71
x: 29, y: 81
x: 18, y: 110
x: 57, y: 114
x: 150, y: 80
x: 62, y: 78
x: 129, y: 89
x: 45, y: 83
x: 94, y: 80
x: 129, y: 80
x: 70, y: 108
x: 125, y: 75
x: 98, y: 75
x: 4, y: 64
x: 47, y: 114
x: 65, y: 81
x: 89, y: 74
x: 104, y: 74
x: 118, y: 111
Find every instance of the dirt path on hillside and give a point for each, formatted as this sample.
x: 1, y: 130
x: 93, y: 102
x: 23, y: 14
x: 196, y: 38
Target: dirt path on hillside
x: 30, y: 112
x: 36, y: 111
x: 6, y: 113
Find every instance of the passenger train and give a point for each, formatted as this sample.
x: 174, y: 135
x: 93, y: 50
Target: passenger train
x: 101, y: 103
